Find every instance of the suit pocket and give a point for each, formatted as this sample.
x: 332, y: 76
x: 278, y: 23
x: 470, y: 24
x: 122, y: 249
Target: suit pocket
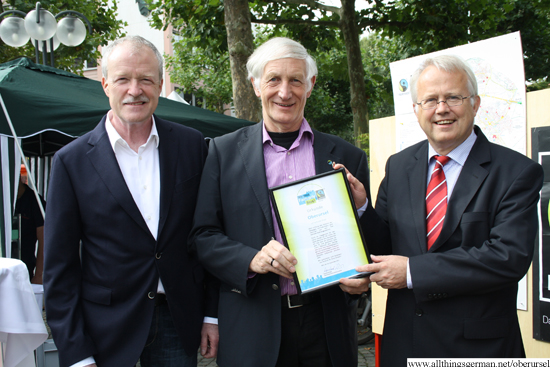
x: 182, y: 187
x: 96, y: 293
x: 472, y: 217
x: 475, y: 228
x: 486, y: 328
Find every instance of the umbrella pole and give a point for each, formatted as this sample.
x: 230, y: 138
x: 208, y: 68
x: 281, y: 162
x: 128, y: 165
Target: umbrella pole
x: 30, y: 177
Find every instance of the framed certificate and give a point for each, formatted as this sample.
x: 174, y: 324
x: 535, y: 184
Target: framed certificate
x: 319, y: 225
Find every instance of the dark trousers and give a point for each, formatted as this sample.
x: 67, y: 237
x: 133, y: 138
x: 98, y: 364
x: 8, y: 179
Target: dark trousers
x: 303, y: 337
x: 164, y: 347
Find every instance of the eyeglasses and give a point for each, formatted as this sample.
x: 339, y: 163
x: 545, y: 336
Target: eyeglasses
x: 431, y: 103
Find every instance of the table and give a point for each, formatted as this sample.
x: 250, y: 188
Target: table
x: 22, y: 328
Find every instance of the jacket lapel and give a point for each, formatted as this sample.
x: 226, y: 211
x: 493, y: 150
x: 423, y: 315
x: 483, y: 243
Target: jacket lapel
x: 417, y: 175
x: 470, y: 180
x: 252, y: 154
x: 104, y: 161
x: 168, y: 150
x: 323, y: 152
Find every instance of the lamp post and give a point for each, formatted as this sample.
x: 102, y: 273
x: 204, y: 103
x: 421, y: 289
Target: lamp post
x: 42, y: 28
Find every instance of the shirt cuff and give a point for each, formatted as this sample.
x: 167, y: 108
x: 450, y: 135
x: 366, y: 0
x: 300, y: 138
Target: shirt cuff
x: 362, y: 209
x: 210, y: 320
x: 409, y: 280
x: 84, y: 362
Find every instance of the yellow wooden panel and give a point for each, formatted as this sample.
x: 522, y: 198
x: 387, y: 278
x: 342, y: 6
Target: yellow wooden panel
x: 382, y: 145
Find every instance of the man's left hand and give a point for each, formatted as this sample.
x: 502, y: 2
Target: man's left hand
x: 357, y: 188
x: 355, y: 286
x: 210, y: 338
x: 390, y: 272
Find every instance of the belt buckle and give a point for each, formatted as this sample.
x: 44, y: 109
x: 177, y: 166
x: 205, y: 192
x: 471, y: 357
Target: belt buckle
x: 289, y: 304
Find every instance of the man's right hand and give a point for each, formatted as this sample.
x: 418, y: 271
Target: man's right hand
x: 275, y: 258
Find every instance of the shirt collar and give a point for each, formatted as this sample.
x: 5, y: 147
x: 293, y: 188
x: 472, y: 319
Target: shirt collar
x: 114, y: 136
x: 458, y: 154
x: 304, y: 128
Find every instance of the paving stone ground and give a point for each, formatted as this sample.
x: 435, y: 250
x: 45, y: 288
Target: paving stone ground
x: 365, y: 352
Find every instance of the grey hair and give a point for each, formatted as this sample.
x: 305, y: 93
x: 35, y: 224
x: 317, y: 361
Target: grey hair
x: 137, y: 43
x: 448, y: 63
x: 275, y: 49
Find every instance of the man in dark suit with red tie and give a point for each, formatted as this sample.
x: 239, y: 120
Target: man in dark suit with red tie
x: 460, y: 244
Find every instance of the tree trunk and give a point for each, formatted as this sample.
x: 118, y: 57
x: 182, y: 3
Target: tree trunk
x: 241, y: 45
x: 350, y: 32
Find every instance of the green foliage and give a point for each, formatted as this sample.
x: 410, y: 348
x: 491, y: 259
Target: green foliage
x: 200, y: 22
x: 399, y: 29
x: 364, y: 141
x: 328, y: 108
x: 432, y: 25
x: 538, y: 85
x: 532, y: 19
x: 200, y: 63
x: 202, y: 75
x: 447, y: 27
x: 100, y: 13
x: 378, y: 52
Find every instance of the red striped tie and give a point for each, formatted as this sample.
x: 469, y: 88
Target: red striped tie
x: 436, y: 200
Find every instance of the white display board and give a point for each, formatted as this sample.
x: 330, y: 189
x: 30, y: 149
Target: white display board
x: 498, y: 66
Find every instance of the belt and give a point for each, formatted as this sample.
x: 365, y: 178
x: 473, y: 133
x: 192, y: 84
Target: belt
x: 299, y: 300
x: 160, y: 299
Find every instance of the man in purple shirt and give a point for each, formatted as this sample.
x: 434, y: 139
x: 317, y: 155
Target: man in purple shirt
x: 262, y: 319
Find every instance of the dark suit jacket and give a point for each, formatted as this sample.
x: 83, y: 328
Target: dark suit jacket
x: 233, y: 222
x: 100, y: 304
x: 464, y: 299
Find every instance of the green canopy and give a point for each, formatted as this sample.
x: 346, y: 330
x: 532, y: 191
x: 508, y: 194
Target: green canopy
x: 59, y: 106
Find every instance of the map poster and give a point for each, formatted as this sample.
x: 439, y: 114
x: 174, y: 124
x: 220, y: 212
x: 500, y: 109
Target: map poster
x: 319, y: 225
x: 541, y: 260
x: 498, y: 65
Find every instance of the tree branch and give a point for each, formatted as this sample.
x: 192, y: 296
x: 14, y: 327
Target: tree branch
x: 364, y: 23
x: 294, y: 21
x: 312, y: 4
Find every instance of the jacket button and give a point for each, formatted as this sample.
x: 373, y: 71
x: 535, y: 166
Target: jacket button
x: 158, y: 255
x: 151, y: 295
x: 275, y: 286
x: 419, y: 312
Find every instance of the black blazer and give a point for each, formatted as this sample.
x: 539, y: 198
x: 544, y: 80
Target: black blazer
x: 465, y: 287
x: 98, y: 302
x: 233, y: 222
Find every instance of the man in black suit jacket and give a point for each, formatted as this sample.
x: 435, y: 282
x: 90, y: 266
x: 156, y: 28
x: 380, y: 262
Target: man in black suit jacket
x: 262, y: 321
x: 126, y: 192
x: 457, y: 298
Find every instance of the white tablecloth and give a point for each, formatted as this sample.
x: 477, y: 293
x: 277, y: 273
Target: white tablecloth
x: 22, y: 328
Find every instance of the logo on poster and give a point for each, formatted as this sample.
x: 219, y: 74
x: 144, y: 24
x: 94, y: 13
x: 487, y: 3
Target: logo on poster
x: 403, y: 85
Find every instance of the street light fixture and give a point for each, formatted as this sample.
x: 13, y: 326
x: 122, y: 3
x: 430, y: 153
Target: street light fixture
x: 44, y: 31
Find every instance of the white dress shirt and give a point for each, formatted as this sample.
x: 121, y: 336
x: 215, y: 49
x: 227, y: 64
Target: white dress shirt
x: 142, y: 175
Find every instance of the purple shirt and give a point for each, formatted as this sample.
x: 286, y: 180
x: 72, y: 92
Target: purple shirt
x: 283, y: 166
